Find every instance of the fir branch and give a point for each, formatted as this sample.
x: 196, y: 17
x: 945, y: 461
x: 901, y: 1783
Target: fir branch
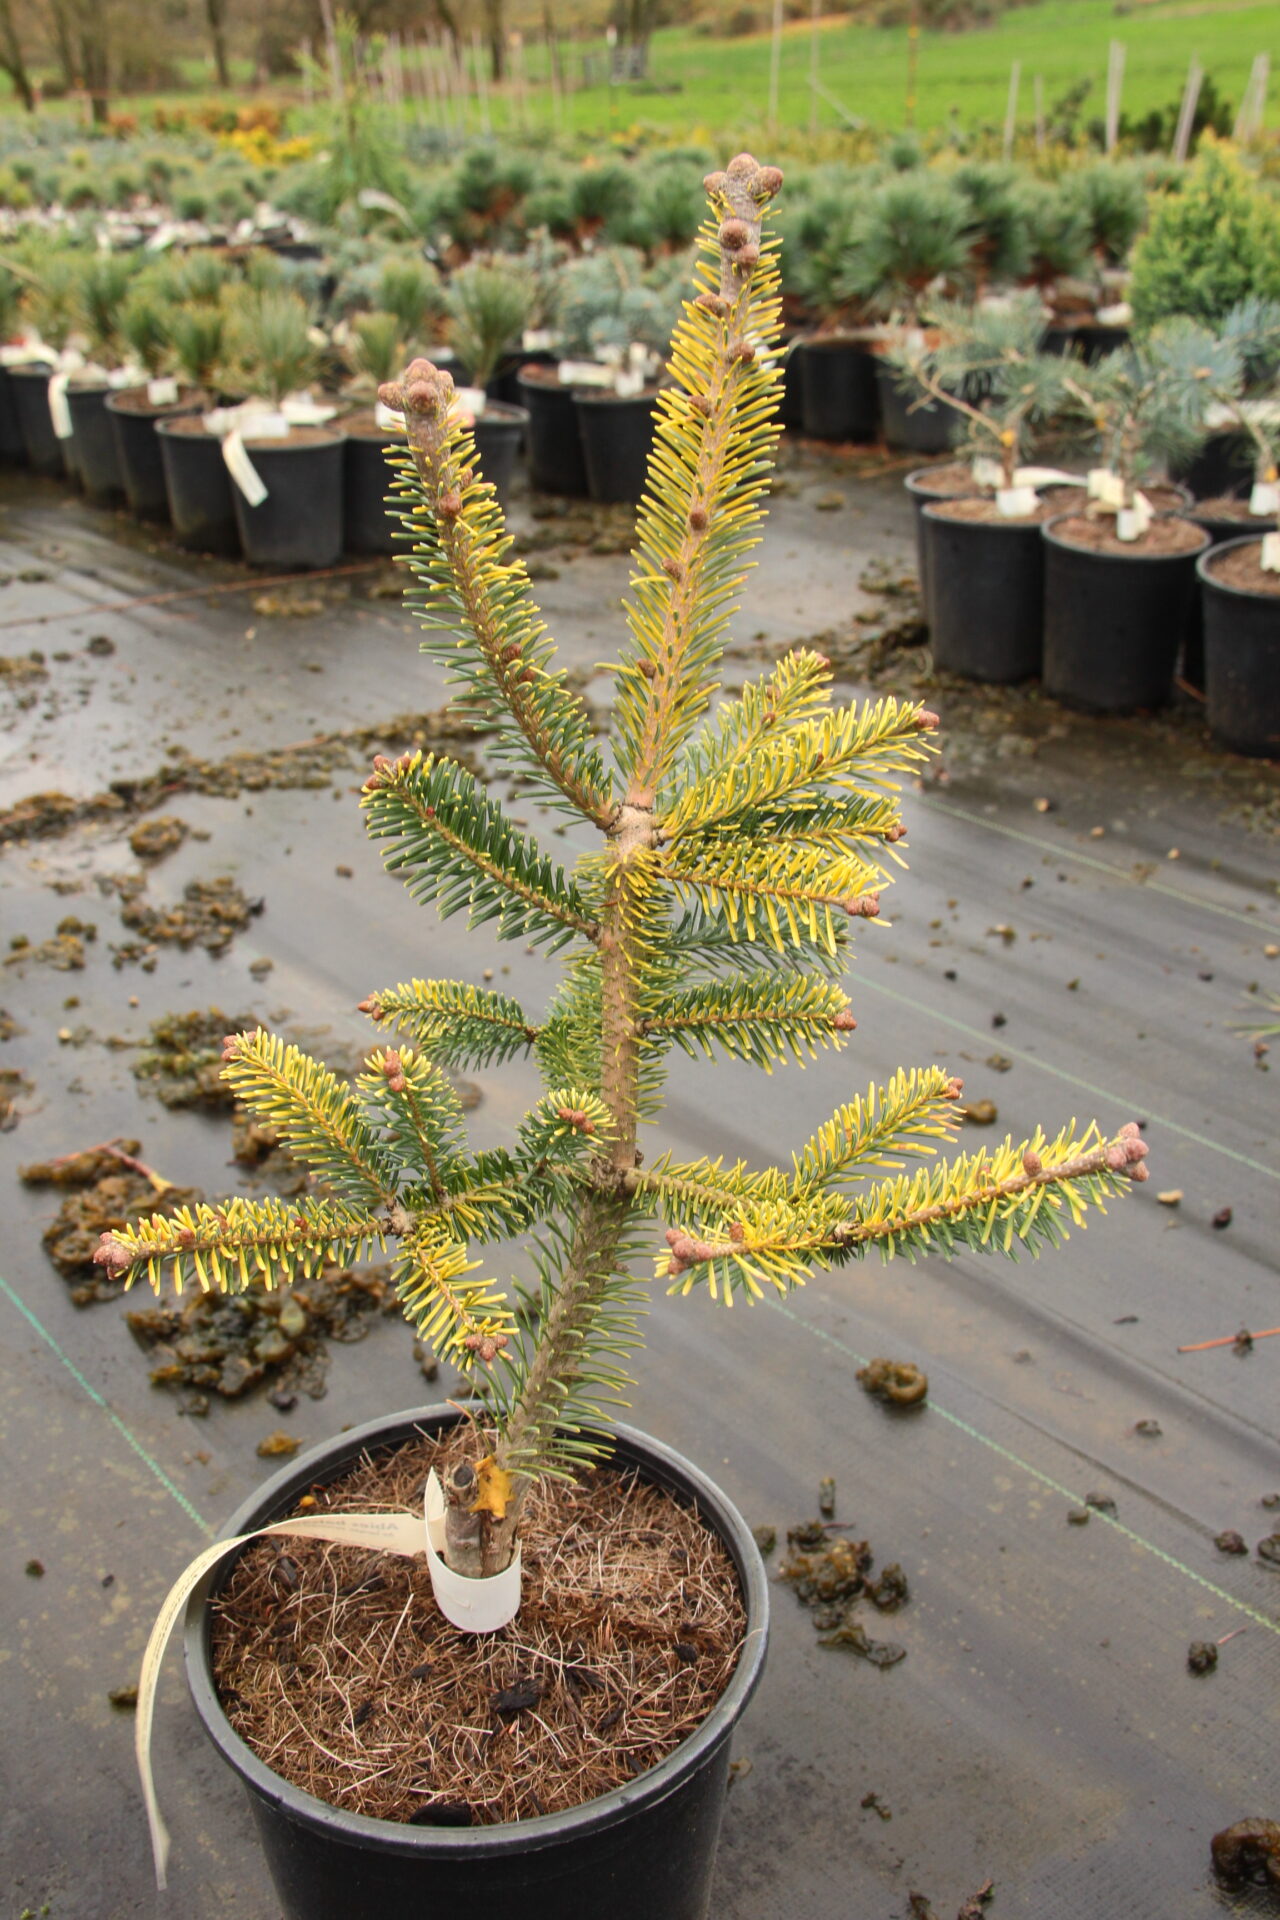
x: 566, y: 1128
x: 454, y: 846
x: 495, y: 644
x: 904, y: 1116
x: 318, y: 1118
x: 419, y: 1113
x: 788, y: 893
x: 715, y: 433
x: 759, y: 1017
x: 455, y: 1022
x: 461, y: 1320
x: 241, y: 1244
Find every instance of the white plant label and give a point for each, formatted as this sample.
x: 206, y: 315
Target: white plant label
x: 1106, y: 486
x: 1015, y: 503
x: 470, y: 400
x: 162, y: 393
x: 1265, y: 499
x: 1128, y: 524
x: 537, y: 340
x: 242, y: 469
x: 473, y: 1606
x: 1045, y: 477
x: 59, y: 411
x: 1144, y: 510
x: 628, y: 382
x: 585, y: 373
x: 300, y: 410
x: 987, y: 472
x: 1269, y: 558
x: 401, y: 1533
x: 388, y: 419
x: 1119, y: 315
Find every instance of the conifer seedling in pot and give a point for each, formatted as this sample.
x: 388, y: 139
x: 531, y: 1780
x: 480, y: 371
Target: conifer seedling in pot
x: 741, y: 839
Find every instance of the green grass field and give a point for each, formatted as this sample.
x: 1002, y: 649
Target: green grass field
x: 725, y: 83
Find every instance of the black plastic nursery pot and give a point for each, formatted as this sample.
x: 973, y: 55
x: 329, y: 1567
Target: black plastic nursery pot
x: 839, y: 394
x: 299, y: 524
x: 924, y: 489
x: 133, y: 421
x: 30, y: 389
x: 986, y: 595
x: 908, y: 428
x: 505, y: 385
x: 13, y: 451
x: 556, y: 461
x: 368, y: 523
x: 96, y: 456
x: 617, y: 435
x: 645, y: 1851
x: 1220, y: 528
x: 1087, y: 340
x: 791, y: 406
x: 499, y: 431
x: 1241, y: 657
x: 198, y: 487
x: 1113, y: 623
x: 1224, y: 465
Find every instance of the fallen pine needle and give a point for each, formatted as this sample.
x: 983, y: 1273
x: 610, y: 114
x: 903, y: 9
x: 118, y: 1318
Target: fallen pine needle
x: 1202, y: 1346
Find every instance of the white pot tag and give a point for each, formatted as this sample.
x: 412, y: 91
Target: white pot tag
x: 1106, y: 486
x: 1015, y: 503
x: 59, y: 410
x: 1129, y: 524
x: 300, y: 410
x: 401, y: 1533
x: 242, y: 469
x: 987, y: 472
x: 537, y: 339
x: 1265, y: 499
x: 473, y: 1606
x: 1045, y: 477
x: 1145, y: 511
x: 470, y: 400
x: 1269, y: 558
x: 388, y: 419
x: 628, y: 382
x: 1118, y: 315
x: 585, y: 373
x: 162, y: 393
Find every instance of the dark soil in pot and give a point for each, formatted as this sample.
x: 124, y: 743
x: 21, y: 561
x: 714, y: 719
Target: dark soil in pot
x: 133, y: 421
x: 985, y: 578
x: 839, y: 398
x: 299, y: 524
x: 642, y: 1848
x: 368, y: 523
x: 499, y: 431
x: 1241, y: 608
x: 1116, y: 612
x: 617, y: 436
x: 97, y: 458
x: 556, y: 460
x: 29, y: 387
x: 13, y: 450
x: 197, y: 486
x: 907, y: 428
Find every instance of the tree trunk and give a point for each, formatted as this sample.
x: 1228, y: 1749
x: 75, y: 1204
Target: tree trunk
x: 62, y: 45
x: 496, y: 35
x: 11, y: 58
x: 216, y: 15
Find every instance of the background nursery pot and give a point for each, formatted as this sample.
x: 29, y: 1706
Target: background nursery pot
x: 368, y: 524
x: 96, y: 457
x: 13, y: 451
x: 986, y: 590
x: 838, y: 393
x: 556, y: 463
x: 198, y: 487
x: 907, y: 428
x: 1241, y: 648
x: 617, y: 436
x: 133, y: 420
x: 299, y: 524
x: 498, y: 431
x: 643, y: 1851
x: 30, y: 389
x: 1114, y: 622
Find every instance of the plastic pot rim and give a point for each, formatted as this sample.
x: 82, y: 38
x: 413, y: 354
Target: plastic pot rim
x: 1205, y: 575
x: 1093, y: 553
x: 588, y: 397
x: 1026, y: 523
x: 171, y: 410
x: 506, y: 1838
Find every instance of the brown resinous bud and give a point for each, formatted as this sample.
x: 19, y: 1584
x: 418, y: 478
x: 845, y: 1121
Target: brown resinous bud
x: 576, y: 1118
x: 673, y: 569
x: 844, y: 1021
x: 865, y: 907
x: 926, y: 721
x: 111, y: 1255
x: 393, y: 1067
x: 1032, y: 1163
x: 450, y: 504
x: 713, y: 303
x: 746, y: 258
x: 698, y: 519
x: 953, y: 1089
x: 734, y: 235
x: 485, y: 1346
x: 372, y: 1007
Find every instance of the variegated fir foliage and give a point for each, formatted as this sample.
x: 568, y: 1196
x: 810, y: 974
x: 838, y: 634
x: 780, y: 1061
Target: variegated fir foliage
x: 740, y: 843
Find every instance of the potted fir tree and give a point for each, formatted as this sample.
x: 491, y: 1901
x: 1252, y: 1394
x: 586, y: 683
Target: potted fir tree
x: 39, y: 383
x: 136, y: 411
x: 198, y: 488
x: 982, y: 570
x: 736, y: 851
x: 102, y: 289
x: 13, y: 450
x: 489, y: 303
x: 1120, y: 573
x: 283, y: 453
